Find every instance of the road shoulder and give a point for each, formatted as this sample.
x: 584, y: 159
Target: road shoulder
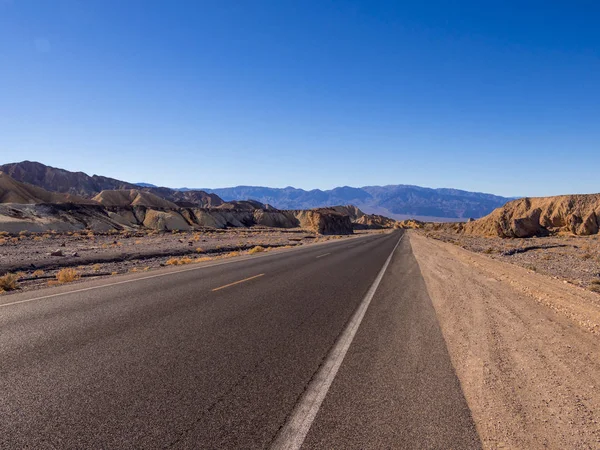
x: 525, y: 348
x: 396, y: 387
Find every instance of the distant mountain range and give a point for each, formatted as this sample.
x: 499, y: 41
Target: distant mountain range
x: 395, y: 201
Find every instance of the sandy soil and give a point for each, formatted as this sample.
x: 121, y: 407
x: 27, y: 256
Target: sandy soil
x: 574, y: 259
x: 526, y: 347
x: 30, y: 255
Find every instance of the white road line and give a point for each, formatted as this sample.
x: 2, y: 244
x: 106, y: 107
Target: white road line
x: 116, y: 283
x: 320, y: 256
x: 292, y: 434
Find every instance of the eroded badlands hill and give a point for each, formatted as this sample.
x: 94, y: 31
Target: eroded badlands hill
x: 528, y: 217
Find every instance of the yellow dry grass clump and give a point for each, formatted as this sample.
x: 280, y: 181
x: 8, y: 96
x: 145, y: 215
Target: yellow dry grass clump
x: 257, y: 249
x: 9, y: 282
x: 203, y: 259
x: 179, y: 261
x: 67, y: 275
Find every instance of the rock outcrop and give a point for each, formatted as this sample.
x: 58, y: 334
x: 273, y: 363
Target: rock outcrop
x: 324, y: 221
x: 374, y: 221
x: 528, y: 217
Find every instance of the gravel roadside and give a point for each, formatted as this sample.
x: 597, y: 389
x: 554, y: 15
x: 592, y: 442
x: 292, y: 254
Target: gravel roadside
x: 526, y: 347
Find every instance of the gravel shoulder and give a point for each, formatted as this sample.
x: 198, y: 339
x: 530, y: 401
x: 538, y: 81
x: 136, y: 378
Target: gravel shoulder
x: 525, y: 346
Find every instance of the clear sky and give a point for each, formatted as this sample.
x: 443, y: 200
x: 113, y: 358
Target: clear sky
x: 492, y: 96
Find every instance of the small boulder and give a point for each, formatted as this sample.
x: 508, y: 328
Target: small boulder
x: 57, y: 253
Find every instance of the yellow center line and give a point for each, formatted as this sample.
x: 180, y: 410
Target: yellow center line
x: 237, y: 282
x: 320, y: 256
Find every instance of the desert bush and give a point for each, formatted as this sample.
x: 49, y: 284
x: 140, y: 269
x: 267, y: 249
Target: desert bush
x: 67, y: 275
x: 257, y: 249
x: 199, y: 250
x: 38, y: 273
x: 179, y: 261
x: 3, y: 241
x: 203, y: 259
x: 9, y: 282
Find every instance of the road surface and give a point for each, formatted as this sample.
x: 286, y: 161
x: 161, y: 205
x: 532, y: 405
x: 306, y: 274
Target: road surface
x: 232, y: 355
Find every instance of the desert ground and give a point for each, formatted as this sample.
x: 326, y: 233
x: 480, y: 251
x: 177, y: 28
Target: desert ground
x: 569, y: 258
x: 37, y: 260
x: 524, y: 343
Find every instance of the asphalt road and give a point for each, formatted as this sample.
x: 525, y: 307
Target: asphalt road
x: 219, y: 356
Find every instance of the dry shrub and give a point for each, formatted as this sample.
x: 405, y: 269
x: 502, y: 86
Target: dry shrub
x: 232, y: 254
x: 179, y: 261
x: 96, y: 267
x: 199, y: 250
x: 203, y: 259
x: 38, y: 273
x: 9, y: 282
x: 257, y: 249
x: 67, y: 275
x: 3, y: 241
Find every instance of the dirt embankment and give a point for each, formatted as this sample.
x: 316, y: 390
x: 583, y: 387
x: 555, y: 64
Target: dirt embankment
x: 525, y: 347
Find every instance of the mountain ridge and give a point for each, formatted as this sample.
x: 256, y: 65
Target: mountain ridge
x: 396, y: 201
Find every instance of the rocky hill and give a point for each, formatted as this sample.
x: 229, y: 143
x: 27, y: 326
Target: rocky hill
x: 24, y: 207
x: 132, y: 197
x: 83, y: 185
x: 527, y: 217
x: 397, y: 201
x: 11, y: 191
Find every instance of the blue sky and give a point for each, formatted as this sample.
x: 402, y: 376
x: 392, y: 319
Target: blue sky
x: 500, y: 97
